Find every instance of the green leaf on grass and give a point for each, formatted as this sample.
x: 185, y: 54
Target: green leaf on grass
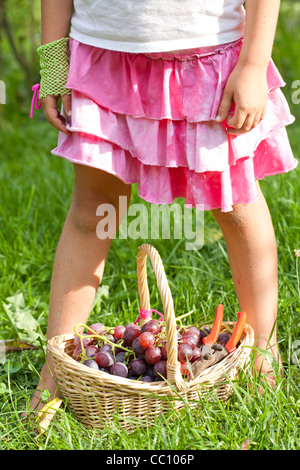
x: 21, y: 318
x: 12, y: 368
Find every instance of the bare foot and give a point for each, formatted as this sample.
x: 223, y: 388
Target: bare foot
x: 268, y: 364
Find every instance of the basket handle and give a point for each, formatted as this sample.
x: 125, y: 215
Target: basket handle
x: 173, y: 365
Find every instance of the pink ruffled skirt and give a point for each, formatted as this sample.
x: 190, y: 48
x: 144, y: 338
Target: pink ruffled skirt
x: 150, y: 119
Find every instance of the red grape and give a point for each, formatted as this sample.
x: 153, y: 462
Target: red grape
x: 147, y: 339
x: 121, y: 356
x: 137, y: 367
x: 153, y: 354
x: 91, y: 363
x: 185, y: 352
x: 223, y: 339
x: 147, y: 378
x: 164, y: 354
x: 185, y: 368
x: 196, y: 354
x: 137, y: 347
x: 191, y: 340
x: 106, y: 348
x: 109, y: 336
x: 132, y: 325
x: 160, y: 368
x: 192, y: 330
x: 130, y: 333
x: 77, y: 353
x: 151, y: 326
x: 119, y: 369
x: 85, y: 341
x: 118, y: 331
x: 149, y: 370
x: 97, y: 328
x: 104, y: 359
x: 204, y: 332
x: 91, y: 351
x: 119, y: 343
x: 77, y: 341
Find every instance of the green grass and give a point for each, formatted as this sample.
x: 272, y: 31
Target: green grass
x: 35, y: 192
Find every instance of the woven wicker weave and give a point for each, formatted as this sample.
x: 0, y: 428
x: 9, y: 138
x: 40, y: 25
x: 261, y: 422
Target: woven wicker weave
x: 98, y: 398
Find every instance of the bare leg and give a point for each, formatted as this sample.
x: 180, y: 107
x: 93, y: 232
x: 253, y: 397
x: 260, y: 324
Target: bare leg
x: 80, y: 259
x: 252, y: 252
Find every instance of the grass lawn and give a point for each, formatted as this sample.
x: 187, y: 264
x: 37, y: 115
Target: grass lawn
x: 35, y: 192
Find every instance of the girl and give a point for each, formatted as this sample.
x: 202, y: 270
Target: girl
x: 182, y: 97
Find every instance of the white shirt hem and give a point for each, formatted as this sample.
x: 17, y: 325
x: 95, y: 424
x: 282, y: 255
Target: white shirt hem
x: 161, y: 46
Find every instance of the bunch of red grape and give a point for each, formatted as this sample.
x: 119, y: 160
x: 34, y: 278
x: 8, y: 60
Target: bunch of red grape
x: 138, y: 353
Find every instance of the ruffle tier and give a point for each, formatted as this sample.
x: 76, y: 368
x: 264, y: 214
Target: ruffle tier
x: 150, y: 119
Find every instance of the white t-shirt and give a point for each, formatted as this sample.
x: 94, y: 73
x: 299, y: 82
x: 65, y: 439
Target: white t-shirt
x: 157, y: 25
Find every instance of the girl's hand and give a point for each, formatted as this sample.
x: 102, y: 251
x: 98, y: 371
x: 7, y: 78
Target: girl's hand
x: 247, y: 89
x: 52, y: 114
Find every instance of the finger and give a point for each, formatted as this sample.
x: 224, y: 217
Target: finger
x: 52, y: 114
x: 57, y: 120
x: 67, y: 104
x: 238, y: 119
x: 257, y: 119
x: 241, y: 129
x: 259, y: 116
x: 249, y: 123
x: 224, y: 107
x: 264, y: 112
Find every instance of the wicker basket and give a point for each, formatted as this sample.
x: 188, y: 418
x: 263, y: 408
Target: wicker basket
x: 98, y: 398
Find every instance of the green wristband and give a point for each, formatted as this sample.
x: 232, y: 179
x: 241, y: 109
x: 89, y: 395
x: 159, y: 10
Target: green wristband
x: 54, y: 63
